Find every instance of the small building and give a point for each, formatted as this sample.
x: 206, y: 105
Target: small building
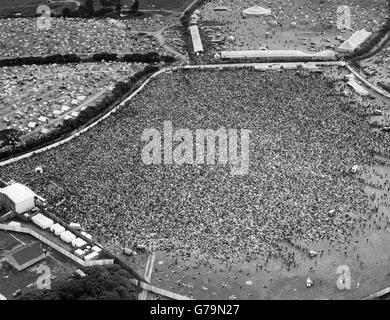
x: 355, y: 41
x: 196, y: 40
x: 17, y: 197
x: 25, y: 256
x: 256, y: 11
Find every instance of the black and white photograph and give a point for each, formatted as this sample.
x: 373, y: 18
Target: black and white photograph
x: 194, y: 154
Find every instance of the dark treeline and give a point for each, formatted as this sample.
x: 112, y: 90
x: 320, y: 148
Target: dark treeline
x: 100, y: 283
x: 149, y: 57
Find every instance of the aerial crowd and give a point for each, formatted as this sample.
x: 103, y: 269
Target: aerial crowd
x: 305, y: 139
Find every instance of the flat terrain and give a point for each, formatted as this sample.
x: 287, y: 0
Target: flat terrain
x: 37, y: 97
x: 235, y: 236
x: 12, y: 280
x: 303, y: 24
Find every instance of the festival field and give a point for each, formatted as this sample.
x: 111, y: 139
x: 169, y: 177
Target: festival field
x: 302, y: 24
x: 35, y: 99
x: 224, y: 236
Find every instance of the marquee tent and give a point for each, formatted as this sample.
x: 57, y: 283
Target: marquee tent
x: 78, y: 243
x: 92, y: 256
x: 357, y: 87
x: 67, y: 236
x: 17, y: 197
x: 256, y: 11
x: 355, y: 41
x: 57, y: 229
x: 196, y: 40
x: 41, y: 221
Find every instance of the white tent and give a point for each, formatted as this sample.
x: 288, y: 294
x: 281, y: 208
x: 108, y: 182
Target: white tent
x: 355, y: 41
x: 87, y: 235
x: 196, y: 40
x: 57, y: 229
x: 93, y: 255
x: 97, y: 249
x: 309, y: 66
x: 357, y: 87
x: 221, y: 8
x: 80, y: 253
x: 78, y: 243
x: 67, y: 236
x: 17, y: 197
x: 256, y: 11
x: 42, y: 221
x: 14, y: 224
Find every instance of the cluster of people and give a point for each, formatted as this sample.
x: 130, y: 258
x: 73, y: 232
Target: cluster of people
x: 304, y: 25
x: 22, y: 37
x: 299, y: 190
x: 34, y: 95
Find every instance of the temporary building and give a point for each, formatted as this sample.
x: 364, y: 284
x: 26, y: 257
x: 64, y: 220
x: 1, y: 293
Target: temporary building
x: 355, y: 41
x: 309, y: 66
x: 97, y: 249
x: 92, y: 256
x: 57, y: 229
x: 15, y: 224
x: 41, y: 221
x: 67, y: 236
x: 277, y: 54
x: 357, y: 87
x: 78, y: 243
x: 196, y: 40
x: 79, y: 253
x: 290, y: 66
x: 221, y: 8
x: 256, y: 11
x: 87, y: 235
x: 75, y: 225
x: 25, y: 256
x: 17, y: 197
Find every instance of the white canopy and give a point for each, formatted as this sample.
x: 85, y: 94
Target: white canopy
x: 221, y: 8
x: 256, y: 11
x: 57, y: 229
x: 355, y: 41
x: 93, y: 255
x: 196, y: 40
x: 357, y: 87
x: 78, y: 243
x: 87, y: 235
x: 80, y: 253
x: 97, y: 249
x: 67, y: 236
x: 42, y: 221
x: 17, y: 197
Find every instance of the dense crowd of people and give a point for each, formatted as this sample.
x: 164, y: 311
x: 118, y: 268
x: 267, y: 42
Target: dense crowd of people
x: 304, y: 25
x: 304, y: 141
